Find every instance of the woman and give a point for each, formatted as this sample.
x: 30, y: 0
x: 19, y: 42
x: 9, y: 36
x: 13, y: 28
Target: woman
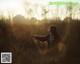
x: 52, y: 38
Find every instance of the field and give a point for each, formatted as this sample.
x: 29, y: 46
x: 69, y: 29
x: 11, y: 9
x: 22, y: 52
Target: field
x: 18, y: 39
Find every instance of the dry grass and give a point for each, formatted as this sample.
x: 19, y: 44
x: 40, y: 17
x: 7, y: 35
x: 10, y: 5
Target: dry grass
x: 28, y: 51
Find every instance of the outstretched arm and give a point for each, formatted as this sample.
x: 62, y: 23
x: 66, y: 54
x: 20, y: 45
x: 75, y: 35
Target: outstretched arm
x: 41, y: 38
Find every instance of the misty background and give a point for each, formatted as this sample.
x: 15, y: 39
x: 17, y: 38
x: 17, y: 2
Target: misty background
x: 18, y: 27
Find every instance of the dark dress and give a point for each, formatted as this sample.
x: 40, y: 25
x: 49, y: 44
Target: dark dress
x: 46, y: 38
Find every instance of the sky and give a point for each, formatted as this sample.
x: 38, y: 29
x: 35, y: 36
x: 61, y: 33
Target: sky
x: 30, y: 8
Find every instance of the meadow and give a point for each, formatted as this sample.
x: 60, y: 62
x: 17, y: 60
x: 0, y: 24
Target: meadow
x: 18, y: 39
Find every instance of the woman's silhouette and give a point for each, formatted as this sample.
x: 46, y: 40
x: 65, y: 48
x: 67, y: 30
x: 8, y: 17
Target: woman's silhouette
x: 52, y: 38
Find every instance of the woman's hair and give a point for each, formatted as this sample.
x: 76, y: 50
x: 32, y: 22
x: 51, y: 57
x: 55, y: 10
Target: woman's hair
x: 52, y: 27
x: 54, y: 31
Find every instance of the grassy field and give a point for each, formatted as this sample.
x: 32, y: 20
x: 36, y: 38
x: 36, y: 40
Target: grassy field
x: 18, y: 39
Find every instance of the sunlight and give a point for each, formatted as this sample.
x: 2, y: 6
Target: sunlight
x: 33, y: 9
x: 12, y: 7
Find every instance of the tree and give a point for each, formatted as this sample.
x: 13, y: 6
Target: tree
x: 44, y: 12
x: 28, y: 8
x: 70, y: 7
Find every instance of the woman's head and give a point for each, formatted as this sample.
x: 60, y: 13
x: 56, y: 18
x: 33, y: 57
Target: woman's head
x: 54, y: 32
x: 53, y: 29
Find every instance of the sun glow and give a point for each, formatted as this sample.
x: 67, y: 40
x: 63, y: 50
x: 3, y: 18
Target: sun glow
x: 30, y: 8
x: 13, y: 7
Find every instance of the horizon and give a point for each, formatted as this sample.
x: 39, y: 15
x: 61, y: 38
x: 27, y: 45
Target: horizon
x: 38, y: 9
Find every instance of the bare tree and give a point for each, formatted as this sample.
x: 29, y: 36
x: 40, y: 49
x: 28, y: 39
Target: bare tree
x: 70, y: 7
x: 44, y: 12
x: 27, y: 9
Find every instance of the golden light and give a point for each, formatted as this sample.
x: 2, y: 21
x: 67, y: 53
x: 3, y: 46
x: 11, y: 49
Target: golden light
x: 11, y: 7
x: 15, y: 7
